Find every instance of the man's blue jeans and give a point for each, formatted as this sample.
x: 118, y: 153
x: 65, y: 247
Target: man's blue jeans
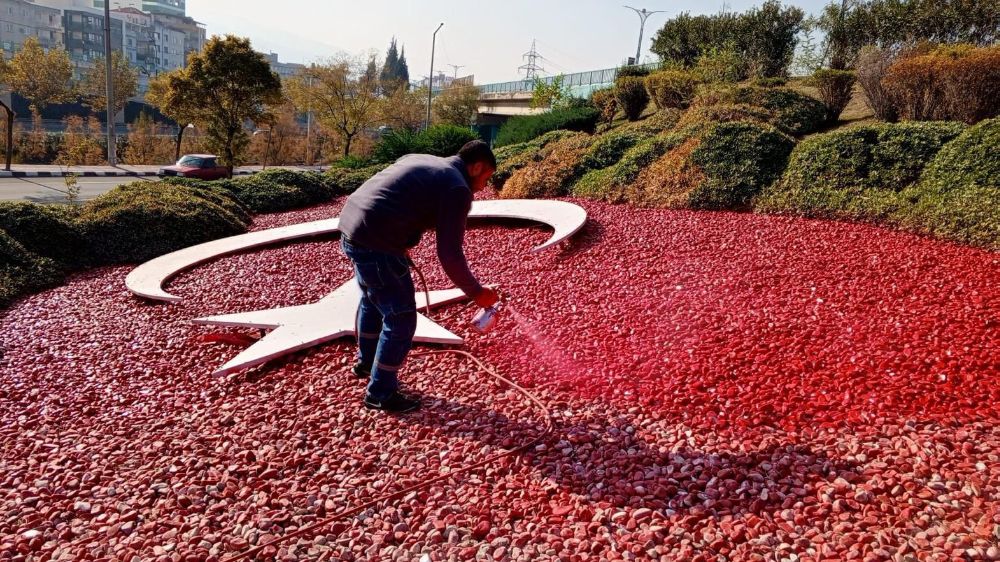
x: 387, y: 316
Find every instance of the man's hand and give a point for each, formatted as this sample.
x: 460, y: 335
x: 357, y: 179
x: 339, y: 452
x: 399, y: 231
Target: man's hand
x: 487, y: 298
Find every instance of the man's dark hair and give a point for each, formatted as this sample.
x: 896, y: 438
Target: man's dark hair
x: 477, y: 151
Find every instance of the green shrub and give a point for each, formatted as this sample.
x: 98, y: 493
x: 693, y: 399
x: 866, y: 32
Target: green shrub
x: 719, y: 166
x: 553, y: 173
x: 770, y: 82
x: 46, y: 230
x: 958, y: 195
x: 269, y: 197
x: 835, y: 90
x: 345, y: 181
x: 661, y: 121
x: 608, y: 149
x: 795, y: 113
x: 630, y: 91
x: 724, y: 113
x: 671, y: 88
x: 398, y: 143
x: 608, y: 184
x: 351, y: 162
x: 314, y: 185
x: 528, y: 127
x: 142, y: 220
x: 605, y: 102
x: 856, y: 173
x: 447, y: 140
x: 721, y: 66
x: 513, y: 157
x: 22, y: 272
x: 632, y: 70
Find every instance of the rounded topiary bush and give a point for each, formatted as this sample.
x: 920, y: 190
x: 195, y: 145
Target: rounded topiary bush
x: 46, y: 230
x: 513, y: 157
x: 794, y: 113
x: 724, y: 113
x: 528, y: 127
x: 630, y: 91
x: 720, y: 166
x: 672, y: 88
x: 958, y: 195
x: 856, y: 173
x: 142, y: 220
x: 447, y: 140
x: 661, y: 121
x: 22, y: 272
x: 609, y: 148
x: 316, y: 187
x: 262, y: 196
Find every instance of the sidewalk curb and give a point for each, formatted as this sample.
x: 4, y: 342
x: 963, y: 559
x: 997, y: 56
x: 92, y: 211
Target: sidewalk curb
x: 122, y: 174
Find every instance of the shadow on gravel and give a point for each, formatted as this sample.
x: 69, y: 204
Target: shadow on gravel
x: 609, y: 463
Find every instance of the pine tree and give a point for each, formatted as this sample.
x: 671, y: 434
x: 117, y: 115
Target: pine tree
x: 387, y: 79
x: 403, y: 73
x: 371, y: 73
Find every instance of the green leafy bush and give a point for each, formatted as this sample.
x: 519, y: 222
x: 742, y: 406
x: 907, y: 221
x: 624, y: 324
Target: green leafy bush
x: 223, y: 193
x: 958, y: 195
x: 795, y: 113
x: 551, y: 175
x: 608, y: 149
x: 672, y: 88
x: 447, y: 140
x: 345, y: 181
x: 835, y: 89
x: 632, y: 70
x: 721, y: 166
x: 609, y: 184
x: 528, y: 127
x: 142, y: 220
x: 351, y: 162
x: 315, y: 187
x: 513, y: 157
x: 397, y: 143
x: 22, y: 272
x: 724, y: 113
x: 269, y: 197
x: 605, y: 102
x: 661, y: 121
x: 856, y: 173
x: 46, y: 230
x: 630, y: 91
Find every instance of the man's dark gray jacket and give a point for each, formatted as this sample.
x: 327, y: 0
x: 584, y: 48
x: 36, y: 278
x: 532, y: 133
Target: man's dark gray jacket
x: 419, y: 192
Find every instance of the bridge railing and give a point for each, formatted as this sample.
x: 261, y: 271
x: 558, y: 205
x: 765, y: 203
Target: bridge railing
x: 579, y: 83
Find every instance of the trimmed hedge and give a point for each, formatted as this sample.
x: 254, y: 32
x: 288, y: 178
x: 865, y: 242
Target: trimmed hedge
x: 856, y: 173
x: 672, y: 88
x: 46, y: 230
x: 659, y: 122
x: 630, y: 91
x: 23, y: 272
x: 345, y: 181
x: 725, y: 113
x: 794, y: 113
x: 513, y: 157
x: 717, y: 167
x: 958, y: 195
x: 608, y: 149
x: 142, y: 220
x: 528, y: 127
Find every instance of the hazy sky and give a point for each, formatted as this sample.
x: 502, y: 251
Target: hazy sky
x: 487, y: 38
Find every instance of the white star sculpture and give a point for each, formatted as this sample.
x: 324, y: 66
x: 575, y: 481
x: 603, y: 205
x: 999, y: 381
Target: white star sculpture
x: 300, y: 327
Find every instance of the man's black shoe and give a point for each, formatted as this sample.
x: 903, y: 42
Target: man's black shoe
x: 362, y: 372
x: 397, y: 403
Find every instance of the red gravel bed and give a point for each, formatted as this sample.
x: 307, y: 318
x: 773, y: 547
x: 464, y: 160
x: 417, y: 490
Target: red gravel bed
x: 725, y: 386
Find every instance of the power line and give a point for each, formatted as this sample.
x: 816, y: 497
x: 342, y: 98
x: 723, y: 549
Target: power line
x: 531, y: 69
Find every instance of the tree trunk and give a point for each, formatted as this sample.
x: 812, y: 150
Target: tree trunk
x: 347, y: 145
x: 180, y: 137
x: 10, y: 135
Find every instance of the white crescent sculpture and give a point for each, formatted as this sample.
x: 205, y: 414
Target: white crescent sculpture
x: 147, y: 280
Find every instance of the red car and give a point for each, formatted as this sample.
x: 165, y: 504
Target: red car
x: 198, y: 166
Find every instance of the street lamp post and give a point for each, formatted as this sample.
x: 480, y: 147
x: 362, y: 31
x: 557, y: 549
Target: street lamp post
x: 643, y: 14
x: 112, y: 148
x: 430, y: 78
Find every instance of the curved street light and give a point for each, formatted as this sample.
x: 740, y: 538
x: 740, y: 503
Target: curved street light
x: 430, y: 78
x: 643, y: 14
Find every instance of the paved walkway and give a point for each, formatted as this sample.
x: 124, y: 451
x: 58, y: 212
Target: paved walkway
x: 32, y: 171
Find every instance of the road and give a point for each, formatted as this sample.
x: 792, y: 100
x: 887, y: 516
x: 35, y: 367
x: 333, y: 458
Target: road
x: 53, y: 190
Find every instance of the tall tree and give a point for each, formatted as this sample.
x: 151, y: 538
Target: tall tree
x: 457, y: 105
x: 94, y: 83
x: 41, y: 77
x: 182, y: 109
x: 341, y: 95
x: 403, y: 70
x: 230, y: 84
x: 387, y: 80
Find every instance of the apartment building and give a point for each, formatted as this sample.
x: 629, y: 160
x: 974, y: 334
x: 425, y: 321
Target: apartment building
x: 20, y: 19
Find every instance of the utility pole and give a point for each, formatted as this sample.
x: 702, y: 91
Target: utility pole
x: 108, y: 64
x: 531, y: 69
x: 430, y: 79
x: 456, y: 67
x: 643, y: 14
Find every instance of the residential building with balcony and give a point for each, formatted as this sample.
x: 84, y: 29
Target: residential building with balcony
x: 20, y: 19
